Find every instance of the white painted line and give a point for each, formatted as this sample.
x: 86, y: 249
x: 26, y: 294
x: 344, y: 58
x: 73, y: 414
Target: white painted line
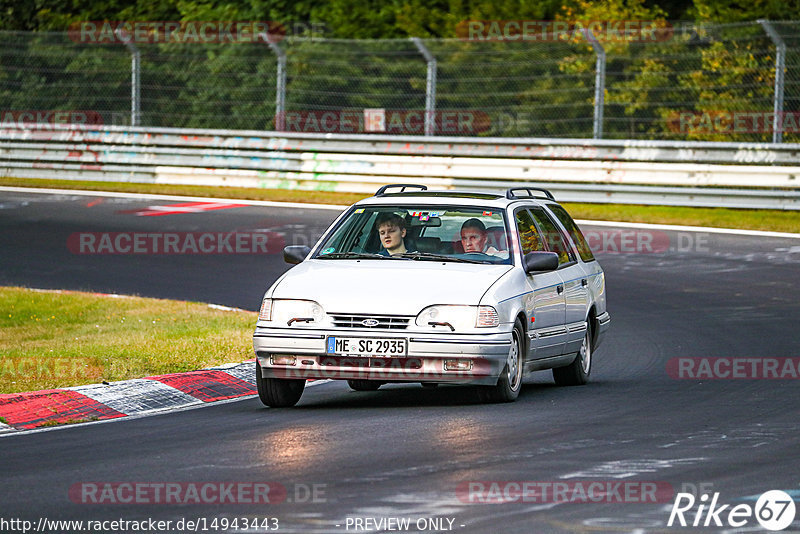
x: 137, y: 396
x: 147, y: 196
x: 6, y: 428
x: 151, y: 196
x: 678, y: 228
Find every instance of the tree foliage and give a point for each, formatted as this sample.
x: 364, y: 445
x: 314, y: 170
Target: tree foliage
x: 528, y: 88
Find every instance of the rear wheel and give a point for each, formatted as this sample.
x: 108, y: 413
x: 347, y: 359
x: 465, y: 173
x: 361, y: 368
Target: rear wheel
x: 577, y: 373
x: 364, y: 385
x: 278, y: 392
x: 510, y: 382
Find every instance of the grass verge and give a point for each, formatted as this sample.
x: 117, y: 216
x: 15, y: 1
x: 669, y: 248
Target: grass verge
x: 58, y: 339
x: 239, y: 193
x: 768, y: 220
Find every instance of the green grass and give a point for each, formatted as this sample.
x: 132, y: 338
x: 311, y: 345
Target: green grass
x: 59, y: 339
x: 67, y: 422
x: 239, y: 193
x: 770, y: 220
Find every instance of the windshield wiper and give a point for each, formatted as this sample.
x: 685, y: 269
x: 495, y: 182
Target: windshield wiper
x: 437, y: 257
x: 352, y: 255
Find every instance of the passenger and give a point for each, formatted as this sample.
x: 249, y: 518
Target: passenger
x: 391, y: 231
x: 474, y: 238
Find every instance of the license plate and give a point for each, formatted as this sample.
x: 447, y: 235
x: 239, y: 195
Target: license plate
x: 365, y: 346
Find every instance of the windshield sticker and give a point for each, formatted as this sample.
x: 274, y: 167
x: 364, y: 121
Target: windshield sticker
x: 328, y: 250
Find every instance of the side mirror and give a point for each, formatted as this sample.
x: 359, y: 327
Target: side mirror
x: 294, y: 254
x: 539, y: 262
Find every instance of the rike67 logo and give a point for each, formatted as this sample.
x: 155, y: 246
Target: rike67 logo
x: 774, y: 510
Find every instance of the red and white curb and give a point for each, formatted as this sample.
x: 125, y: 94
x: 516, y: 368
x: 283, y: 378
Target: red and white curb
x: 136, y: 397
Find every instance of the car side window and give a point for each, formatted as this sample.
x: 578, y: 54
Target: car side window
x: 355, y: 235
x: 561, y: 214
x: 553, y: 238
x: 529, y: 236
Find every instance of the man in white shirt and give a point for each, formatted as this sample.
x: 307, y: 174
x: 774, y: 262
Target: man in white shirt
x: 474, y: 238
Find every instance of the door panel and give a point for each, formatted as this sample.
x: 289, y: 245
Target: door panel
x: 575, y: 290
x: 546, y: 310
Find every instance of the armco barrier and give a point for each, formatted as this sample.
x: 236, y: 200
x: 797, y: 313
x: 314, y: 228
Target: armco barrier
x: 635, y: 172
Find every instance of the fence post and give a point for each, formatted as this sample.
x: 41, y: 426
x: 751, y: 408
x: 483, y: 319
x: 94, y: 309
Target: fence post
x: 430, y: 88
x: 780, y: 66
x: 280, y: 89
x: 136, y: 60
x: 599, y: 84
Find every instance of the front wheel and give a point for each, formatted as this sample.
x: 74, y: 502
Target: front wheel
x: 577, y: 373
x: 510, y: 382
x: 278, y: 392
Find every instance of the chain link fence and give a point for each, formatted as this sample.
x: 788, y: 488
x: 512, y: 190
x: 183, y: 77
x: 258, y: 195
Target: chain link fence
x: 704, y: 83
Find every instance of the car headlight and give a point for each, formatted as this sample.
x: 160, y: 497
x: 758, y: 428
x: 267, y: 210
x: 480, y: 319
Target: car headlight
x: 458, y: 317
x: 265, y: 314
x: 291, y: 312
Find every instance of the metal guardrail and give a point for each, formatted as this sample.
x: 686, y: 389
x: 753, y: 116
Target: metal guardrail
x: 741, y: 175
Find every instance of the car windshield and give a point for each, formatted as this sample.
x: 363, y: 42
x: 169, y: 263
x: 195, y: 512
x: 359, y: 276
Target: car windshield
x: 420, y: 233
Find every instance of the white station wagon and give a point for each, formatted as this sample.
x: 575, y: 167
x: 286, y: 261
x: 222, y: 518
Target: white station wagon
x: 435, y: 287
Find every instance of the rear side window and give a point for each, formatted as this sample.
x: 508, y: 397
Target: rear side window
x: 530, y: 239
x: 577, y: 236
x: 553, y: 237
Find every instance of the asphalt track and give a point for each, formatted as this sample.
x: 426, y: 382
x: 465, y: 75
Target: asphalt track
x: 408, y: 452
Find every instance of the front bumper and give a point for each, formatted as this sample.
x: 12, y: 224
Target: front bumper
x: 603, y: 324
x: 424, y: 362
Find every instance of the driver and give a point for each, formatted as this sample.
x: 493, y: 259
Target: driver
x: 391, y: 232
x: 474, y: 238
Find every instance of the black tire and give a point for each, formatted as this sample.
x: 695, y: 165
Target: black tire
x: 364, y: 385
x: 510, y: 382
x: 278, y: 392
x: 577, y: 373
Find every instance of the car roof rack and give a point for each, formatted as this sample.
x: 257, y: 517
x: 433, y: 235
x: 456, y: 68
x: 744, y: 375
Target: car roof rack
x: 511, y: 193
x: 402, y: 187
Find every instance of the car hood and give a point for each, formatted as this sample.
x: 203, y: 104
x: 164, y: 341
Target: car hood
x: 391, y: 287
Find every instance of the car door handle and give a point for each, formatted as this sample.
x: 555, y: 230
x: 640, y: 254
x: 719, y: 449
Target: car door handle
x: 560, y: 288
x: 584, y: 282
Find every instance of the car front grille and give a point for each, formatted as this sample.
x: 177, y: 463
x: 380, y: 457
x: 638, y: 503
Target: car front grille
x: 390, y: 322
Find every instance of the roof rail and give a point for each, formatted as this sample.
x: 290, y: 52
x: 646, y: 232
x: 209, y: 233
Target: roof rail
x: 511, y: 193
x: 383, y: 189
